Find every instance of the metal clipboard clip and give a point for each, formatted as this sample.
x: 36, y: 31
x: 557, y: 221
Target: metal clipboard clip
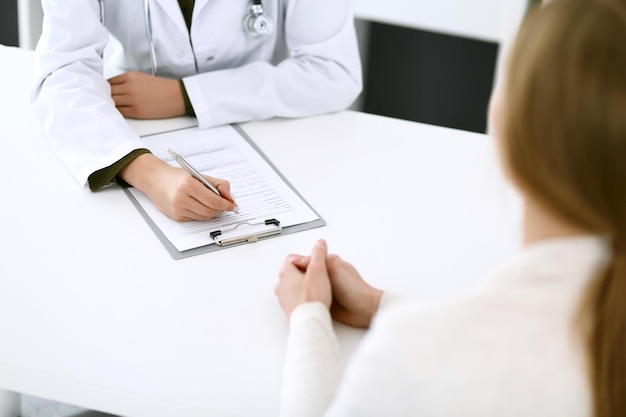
x: 252, y: 233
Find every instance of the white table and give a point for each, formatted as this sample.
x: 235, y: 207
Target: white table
x: 94, y: 312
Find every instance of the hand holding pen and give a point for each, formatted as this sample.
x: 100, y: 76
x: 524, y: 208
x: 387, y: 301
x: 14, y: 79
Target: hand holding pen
x: 219, y: 188
x: 194, y: 173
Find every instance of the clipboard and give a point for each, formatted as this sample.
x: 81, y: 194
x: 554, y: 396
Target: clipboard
x: 239, y: 232
x: 250, y: 232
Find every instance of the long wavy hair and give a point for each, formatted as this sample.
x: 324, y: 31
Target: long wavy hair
x: 564, y: 143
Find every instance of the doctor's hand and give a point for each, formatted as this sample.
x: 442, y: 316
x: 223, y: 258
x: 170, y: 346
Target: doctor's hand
x: 143, y: 96
x: 355, y: 302
x: 176, y: 193
x: 301, y: 285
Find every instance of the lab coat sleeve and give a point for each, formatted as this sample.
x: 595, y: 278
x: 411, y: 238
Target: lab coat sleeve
x: 322, y: 73
x: 71, y: 96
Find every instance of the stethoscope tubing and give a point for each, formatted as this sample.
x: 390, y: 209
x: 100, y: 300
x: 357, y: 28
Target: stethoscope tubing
x: 148, y: 23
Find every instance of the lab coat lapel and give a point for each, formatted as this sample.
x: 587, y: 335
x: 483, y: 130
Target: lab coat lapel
x: 172, y: 8
x: 199, y: 4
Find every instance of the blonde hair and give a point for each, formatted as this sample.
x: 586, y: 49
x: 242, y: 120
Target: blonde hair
x: 564, y: 143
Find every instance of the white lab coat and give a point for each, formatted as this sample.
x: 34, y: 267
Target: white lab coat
x: 308, y: 65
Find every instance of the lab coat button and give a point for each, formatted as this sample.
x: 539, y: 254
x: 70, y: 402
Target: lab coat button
x: 181, y: 54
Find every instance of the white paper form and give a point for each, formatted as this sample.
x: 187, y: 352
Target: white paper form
x: 222, y: 152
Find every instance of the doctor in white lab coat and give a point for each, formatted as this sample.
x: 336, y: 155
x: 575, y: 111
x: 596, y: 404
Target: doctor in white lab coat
x: 206, y: 64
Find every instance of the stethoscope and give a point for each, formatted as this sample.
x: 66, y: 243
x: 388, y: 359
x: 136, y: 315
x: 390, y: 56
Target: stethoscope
x: 255, y: 24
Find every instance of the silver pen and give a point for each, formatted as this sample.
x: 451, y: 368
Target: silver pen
x: 181, y: 161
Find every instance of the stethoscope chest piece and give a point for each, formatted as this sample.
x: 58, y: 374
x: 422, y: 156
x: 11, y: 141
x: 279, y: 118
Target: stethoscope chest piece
x: 255, y: 23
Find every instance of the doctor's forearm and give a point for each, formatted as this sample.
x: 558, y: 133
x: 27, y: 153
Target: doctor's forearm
x: 141, y: 170
x: 143, y: 96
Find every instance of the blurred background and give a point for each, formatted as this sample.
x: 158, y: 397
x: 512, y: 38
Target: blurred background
x: 431, y: 62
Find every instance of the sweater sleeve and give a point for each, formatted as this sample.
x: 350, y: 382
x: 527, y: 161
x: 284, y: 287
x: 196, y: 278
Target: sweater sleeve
x: 106, y: 176
x: 311, y: 370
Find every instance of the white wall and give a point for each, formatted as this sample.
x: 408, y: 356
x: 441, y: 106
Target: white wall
x: 489, y: 20
x: 29, y: 16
